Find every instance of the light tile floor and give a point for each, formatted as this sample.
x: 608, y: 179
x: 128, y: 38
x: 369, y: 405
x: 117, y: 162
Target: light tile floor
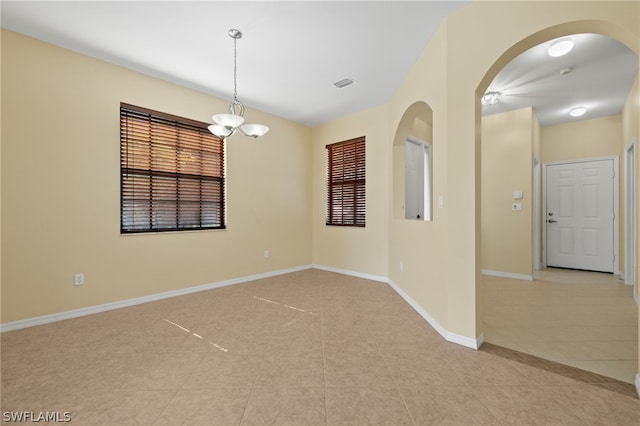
x: 306, y: 348
x: 587, y: 320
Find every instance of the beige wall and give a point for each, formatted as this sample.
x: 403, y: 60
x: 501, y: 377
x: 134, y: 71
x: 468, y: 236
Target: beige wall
x: 451, y: 74
x: 421, y: 246
x: 360, y: 250
x: 537, y: 216
x: 599, y: 137
x: 507, y: 166
x: 441, y: 258
x: 507, y: 140
x: 60, y: 189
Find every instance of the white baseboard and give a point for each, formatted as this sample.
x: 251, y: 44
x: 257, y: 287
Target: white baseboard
x: 60, y: 316
x: 371, y: 277
x: 449, y: 336
x: 638, y: 384
x: 46, y: 319
x: 507, y: 275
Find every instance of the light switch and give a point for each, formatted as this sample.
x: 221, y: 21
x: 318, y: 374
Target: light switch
x: 440, y: 201
x: 517, y: 195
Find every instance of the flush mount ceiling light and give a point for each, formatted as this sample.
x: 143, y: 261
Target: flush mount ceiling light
x: 560, y: 47
x: 490, y: 98
x: 226, y: 124
x: 565, y: 71
x: 343, y: 83
x: 577, y: 111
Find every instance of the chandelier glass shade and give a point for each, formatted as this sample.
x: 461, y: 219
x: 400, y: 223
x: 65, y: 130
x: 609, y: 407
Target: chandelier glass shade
x: 227, y: 124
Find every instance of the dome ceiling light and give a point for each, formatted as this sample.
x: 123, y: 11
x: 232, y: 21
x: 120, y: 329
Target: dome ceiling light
x: 577, y: 111
x: 560, y: 47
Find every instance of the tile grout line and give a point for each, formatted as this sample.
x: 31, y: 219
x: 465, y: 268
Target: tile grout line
x: 324, y: 362
x: 395, y: 383
x: 159, y: 416
x: 181, y: 386
x: 258, y: 372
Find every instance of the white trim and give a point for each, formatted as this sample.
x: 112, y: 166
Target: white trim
x: 630, y: 194
x: 60, y: 316
x: 507, y: 275
x: 432, y: 322
x: 371, y: 277
x: 638, y: 383
x: 448, y: 336
x: 616, y: 205
x: 417, y: 141
x: 46, y: 319
x: 537, y: 213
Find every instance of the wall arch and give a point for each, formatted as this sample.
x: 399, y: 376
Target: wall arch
x: 602, y: 27
x: 416, y: 121
x: 568, y: 28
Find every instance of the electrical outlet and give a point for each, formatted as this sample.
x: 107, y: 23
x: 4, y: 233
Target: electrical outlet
x: 79, y: 279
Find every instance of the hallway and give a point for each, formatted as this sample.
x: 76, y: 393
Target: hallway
x: 583, y: 319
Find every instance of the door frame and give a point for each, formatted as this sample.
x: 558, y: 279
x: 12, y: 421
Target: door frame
x: 427, y: 151
x: 616, y: 206
x: 630, y: 218
x: 537, y: 216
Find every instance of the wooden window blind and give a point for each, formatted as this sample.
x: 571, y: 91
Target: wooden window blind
x: 171, y: 173
x: 346, y: 183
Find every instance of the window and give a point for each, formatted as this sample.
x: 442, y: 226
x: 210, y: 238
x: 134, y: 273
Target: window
x: 171, y: 173
x: 346, y: 193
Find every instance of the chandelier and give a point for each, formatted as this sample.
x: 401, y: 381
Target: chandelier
x: 226, y: 124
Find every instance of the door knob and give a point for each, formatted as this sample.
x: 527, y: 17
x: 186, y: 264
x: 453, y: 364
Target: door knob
x: 552, y: 221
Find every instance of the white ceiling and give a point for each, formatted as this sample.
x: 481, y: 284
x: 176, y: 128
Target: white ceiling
x: 603, y: 71
x: 292, y: 51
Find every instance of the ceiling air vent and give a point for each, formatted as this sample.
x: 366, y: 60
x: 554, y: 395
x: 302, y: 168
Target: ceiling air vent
x: 343, y: 83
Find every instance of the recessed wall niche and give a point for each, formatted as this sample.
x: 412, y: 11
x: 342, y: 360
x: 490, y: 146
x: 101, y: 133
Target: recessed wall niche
x: 413, y: 164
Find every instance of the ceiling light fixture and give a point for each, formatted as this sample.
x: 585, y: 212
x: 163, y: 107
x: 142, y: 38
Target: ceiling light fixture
x: 226, y: 124
x: 490, y: 98
x: 577, y: 111
x: 560, y: 47
x: 566, y: 70
x: 343, y: 83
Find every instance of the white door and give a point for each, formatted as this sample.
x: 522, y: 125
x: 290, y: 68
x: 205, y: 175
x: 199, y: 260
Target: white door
x: 580, y: 215
x: 414, y: 180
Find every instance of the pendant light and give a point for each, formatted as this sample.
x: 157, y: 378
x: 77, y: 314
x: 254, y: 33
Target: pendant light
x: 226, y: 124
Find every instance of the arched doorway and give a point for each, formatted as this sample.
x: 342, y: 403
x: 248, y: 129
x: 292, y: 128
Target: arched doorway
x: 522, y: 46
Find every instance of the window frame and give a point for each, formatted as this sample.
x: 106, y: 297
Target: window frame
x: 199, y: 201
x: 346, y: 183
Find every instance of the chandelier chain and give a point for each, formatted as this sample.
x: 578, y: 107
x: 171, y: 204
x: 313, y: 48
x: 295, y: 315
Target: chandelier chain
x: 235, y: 72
